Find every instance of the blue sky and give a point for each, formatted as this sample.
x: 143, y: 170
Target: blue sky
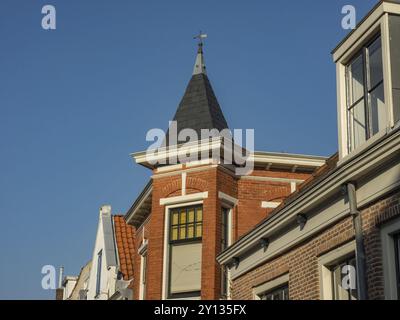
x: 74, y: 102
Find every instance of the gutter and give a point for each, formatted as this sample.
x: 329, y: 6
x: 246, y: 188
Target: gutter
x: 361, y: 276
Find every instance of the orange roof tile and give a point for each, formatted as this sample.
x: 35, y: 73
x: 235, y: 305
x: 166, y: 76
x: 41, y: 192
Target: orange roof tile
x: 124, y: 237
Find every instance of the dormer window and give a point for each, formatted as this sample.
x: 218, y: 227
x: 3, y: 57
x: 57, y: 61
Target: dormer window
x: 365, y: 94
x: 368, y: 80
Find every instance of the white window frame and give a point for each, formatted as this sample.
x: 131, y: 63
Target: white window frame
x: 165, y: 278
x: 143, y: 267
x: 228, y: 202
x: 361, y: 36
x: 324, y: 262
x: 270, y: 285
x: 229, y: 241
x: 388, y: 257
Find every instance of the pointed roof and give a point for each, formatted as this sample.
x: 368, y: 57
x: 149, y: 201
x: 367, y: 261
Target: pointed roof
x: 199, y: 107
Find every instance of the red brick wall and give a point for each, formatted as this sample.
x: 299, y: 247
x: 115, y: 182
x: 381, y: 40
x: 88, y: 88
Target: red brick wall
x: 302, y: 262
x: 212, y: 179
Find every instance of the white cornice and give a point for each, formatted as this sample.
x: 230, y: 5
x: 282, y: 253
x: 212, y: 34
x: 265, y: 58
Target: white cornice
x: 223, y: 145
x: 227, y: 198
x: 183, y: 199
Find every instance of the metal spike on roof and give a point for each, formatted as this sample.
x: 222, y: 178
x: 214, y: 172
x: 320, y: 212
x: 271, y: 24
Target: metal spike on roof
x: 199, y: 107
x: 199, y: 65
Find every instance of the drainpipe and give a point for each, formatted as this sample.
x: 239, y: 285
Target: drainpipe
x: 360, y: 251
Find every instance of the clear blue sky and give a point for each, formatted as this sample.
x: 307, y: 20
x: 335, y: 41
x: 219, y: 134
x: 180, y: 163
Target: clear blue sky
x: 76, y: 101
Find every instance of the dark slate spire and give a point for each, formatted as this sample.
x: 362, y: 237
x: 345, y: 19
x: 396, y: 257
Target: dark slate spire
x: 199, y: 107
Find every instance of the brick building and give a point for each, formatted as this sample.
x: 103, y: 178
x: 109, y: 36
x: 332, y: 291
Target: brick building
x: 191, y: 210
x: 338, y: 236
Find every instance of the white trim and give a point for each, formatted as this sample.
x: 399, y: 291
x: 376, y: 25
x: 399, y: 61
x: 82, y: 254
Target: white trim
x: 269, y: 204
x: 166, y: 245
x: 227, y: 198
x: 270, y: 285
x: 293, y: 187
x: 325, y: 274
x: 143, y: 256
x: 388, y: 257
x: 184, y: 174
x: 229, y: 242
x: 201, y: 162
x: 171, y: 167
x: 143, y: 247
x: 183, y: 199
x: 376, y: 21
x: 292, y: 160
x: 176, y: 173
x: 223, y: 147
x: 272, y: 179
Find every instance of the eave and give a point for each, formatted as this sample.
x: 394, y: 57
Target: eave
x: 141, y: 207
x: 261, y: 159
x: 384, y: 150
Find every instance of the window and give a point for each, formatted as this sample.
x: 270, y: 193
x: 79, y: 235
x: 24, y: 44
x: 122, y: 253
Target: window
x: 98, y: 275
x: 224, y: 245
x: 186, y: 224
x: 277, y: 289
x: 390, y: 237
x: 365, y: 95
x: 185, y: 249
x: 338, y: 274
x: 397, y: 255
x: 281, y: 293
x: 339, y: 271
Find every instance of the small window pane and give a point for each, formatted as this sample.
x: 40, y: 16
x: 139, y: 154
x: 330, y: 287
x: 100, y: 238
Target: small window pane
x: 174, y: 235
x: 198, y: 231
x: 175, y: 218
x: 375, y: 63
x: 378, y: 110
x: 199, y: 215
x: 182, y: 232
x: 339, y: 272
x: 191, y: 215
x: 190, y: 231
x: 356, y: 85
x: 183, y: 217
x: 358, y: 124
x: 339, y: 292
x: 281, y: 293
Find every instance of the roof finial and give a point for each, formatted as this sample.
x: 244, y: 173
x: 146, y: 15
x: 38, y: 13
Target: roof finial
x: 199, y: 66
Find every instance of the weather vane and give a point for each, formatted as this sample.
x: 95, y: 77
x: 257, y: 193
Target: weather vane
x: 200, y: 38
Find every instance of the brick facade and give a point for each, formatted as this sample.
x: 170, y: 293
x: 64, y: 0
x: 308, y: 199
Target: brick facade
x: 212, y: 179
x: 302, y: 262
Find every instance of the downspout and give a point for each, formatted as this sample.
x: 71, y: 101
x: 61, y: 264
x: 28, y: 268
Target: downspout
x: 360, y: 251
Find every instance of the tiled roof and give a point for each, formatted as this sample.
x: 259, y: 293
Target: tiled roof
x: 124, y: 237
x: 199, y: 108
